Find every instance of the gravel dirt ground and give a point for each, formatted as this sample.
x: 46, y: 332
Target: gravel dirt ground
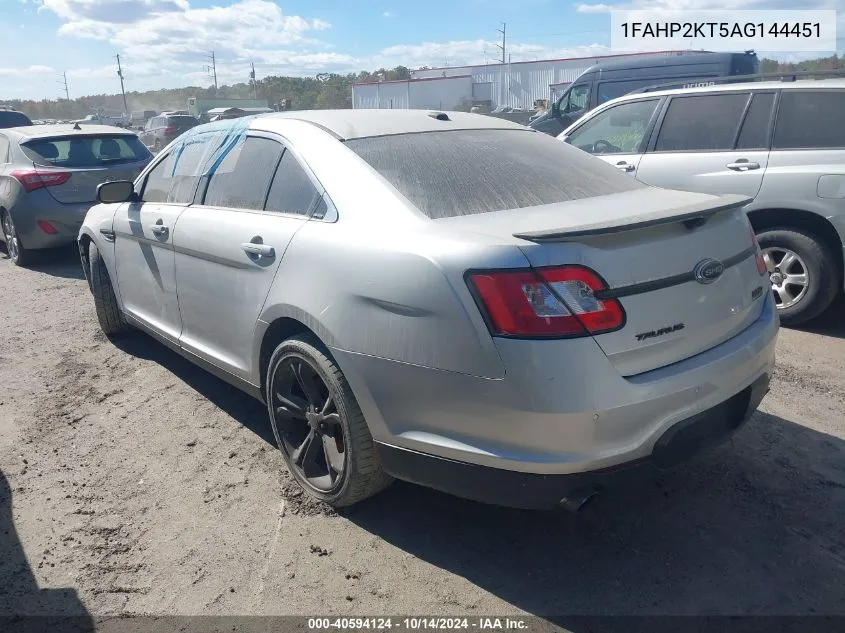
x: 150, y: 487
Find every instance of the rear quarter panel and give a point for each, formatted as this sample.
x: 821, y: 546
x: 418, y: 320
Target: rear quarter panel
x: 807, y: 180
x: 393, y: 295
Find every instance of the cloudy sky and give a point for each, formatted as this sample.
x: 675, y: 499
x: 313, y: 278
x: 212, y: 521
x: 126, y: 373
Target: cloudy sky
x: 166, y: 43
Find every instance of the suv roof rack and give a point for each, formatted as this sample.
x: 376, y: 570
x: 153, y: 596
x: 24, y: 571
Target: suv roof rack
x: 709, y: 81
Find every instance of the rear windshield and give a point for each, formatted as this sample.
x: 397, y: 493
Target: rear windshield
x: 86, y: 151
x: 464, y: 172
x: 13, y: 119
x: 182, y: 121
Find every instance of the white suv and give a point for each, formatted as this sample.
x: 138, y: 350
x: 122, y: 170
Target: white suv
x: 780, y: 143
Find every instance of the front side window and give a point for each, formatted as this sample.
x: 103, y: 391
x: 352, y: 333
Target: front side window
x: 186, y: 167
x: 705, y: 123
x: 292, y: 190
x: 810, y: 120
x: 464, y: 172
x: 619, y: 129
x: 242, y: 179
x: 577, y: 99
x: 159, y: 181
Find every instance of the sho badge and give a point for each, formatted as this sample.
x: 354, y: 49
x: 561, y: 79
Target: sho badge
x: 708, y: 270
x: 661, y: 332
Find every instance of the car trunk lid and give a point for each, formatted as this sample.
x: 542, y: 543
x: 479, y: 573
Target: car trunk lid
x: 682, y: 265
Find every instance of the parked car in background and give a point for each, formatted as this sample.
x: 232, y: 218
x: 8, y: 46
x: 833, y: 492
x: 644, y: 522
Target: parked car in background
x: 446, y: 298
x: 138, y: 118
x: 162, y: 129
x: 13, y: 118
x: 603, y: 82
x: 782, y: 144
x: 48, y: 180
x: 104, y: 119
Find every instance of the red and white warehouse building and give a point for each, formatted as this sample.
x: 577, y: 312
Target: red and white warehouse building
x: 517, y: 84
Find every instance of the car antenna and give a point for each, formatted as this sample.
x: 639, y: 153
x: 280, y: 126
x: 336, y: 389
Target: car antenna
x: 76, y: 126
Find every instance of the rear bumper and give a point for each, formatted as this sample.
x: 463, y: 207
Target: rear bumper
x: 542, y: 491
x: 65, y: 218
x: 561, y: 409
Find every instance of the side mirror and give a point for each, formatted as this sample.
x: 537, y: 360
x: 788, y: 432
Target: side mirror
x: 116, y: 191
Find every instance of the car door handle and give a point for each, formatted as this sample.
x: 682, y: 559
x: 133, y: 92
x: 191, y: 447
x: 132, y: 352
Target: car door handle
x: 262, y: 250
x: 159, y: 229
x: 742, y: 165
x: 624, y: 166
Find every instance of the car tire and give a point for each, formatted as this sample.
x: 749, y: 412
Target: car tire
x: 157, y: 145
x: 15, y: 250
x: 362, y: 474
x: 109, y: 314
x: 798, y: 304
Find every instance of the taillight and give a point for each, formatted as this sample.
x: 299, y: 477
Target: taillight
x: 48, y: 228
x: 546, y: 302
x: 762, y: 268
x: 169, y: 129
x: 31, y: 179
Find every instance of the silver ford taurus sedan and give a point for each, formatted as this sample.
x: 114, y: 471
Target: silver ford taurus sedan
x: 444, y: 298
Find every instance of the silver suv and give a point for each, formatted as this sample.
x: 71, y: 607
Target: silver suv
x: 782, y: 144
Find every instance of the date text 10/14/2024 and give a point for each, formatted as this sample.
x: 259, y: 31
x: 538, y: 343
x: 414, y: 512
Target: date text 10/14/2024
x: 418, y: 624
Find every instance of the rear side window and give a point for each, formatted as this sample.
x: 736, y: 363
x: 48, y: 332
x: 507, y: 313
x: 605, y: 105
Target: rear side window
x: 85, y: 151
x: 755, y: 128
x: 701, y: 123
x: 243, y: 178
x: 292, y: 190
x: 810, y: 120
x: 464, y: 172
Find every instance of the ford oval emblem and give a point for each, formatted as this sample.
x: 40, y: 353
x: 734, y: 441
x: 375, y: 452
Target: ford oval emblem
x: 708, y: 270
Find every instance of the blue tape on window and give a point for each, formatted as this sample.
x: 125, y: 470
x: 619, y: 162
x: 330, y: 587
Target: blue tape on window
x: 225, y: 136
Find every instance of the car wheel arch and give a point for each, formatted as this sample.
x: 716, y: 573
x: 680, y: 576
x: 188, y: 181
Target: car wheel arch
x: 283, y: 323
x: 818, y: 225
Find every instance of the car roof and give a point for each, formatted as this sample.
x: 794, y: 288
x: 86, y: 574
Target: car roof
x: 63, y: 129
x: 352, y: 124
x: 746, y: 85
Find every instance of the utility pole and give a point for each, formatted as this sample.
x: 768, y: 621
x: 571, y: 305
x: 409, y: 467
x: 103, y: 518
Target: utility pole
x: 67, y: 94
x: 252, y: 80
x: 122, y: 90
x: 503, y: 31
x: 213, y: 69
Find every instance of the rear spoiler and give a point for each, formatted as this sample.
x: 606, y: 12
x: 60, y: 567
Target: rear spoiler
x: 710, y: 81
x: 692, y: 216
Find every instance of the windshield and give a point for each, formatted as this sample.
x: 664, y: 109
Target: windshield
x: 86, y: 151
x: 445, y: 174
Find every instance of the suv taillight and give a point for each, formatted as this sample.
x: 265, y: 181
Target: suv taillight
x: 762, y: 268
x: 170, y: 129
x: 545, y: 302
x: 31, y: 179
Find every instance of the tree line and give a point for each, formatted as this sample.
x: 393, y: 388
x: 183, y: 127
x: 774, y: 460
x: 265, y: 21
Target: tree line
x: 324, y: 91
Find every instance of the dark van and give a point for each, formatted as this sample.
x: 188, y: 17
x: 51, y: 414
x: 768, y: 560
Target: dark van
x: 604, y: 82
